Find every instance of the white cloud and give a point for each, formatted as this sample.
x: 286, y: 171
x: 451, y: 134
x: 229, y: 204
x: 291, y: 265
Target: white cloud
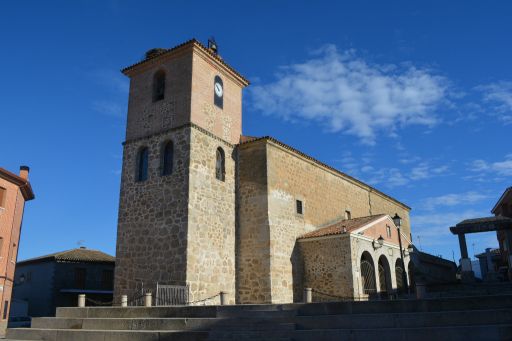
x: 453, y: 199
x: 500, y: 168
x: 345, y: 93
x: 499, y: 95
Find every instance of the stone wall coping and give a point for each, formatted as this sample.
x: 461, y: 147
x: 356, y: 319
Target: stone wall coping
x: 297, y: 153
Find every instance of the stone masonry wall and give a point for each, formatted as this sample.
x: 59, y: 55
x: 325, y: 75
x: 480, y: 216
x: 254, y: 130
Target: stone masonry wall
x: 253, y: 239
x: 211, y: 219
x: 152, y: 224
x: 328, y: 266
x: 325, y: 197
x: 146, y: 117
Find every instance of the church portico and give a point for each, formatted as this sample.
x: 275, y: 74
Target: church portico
x: 346, y: 260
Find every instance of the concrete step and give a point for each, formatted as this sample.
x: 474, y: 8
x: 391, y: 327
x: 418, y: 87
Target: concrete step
x: 406, y: 320
x: 159, y: 323
x: 428, y: 319
x: 406, y: 306
x: 282, y: 310
x: 465, y: 333
x: 103, y: 335
x: 118, y: 312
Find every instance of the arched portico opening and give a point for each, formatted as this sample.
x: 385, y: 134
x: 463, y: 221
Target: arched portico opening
x: 368, y: 274
x: 399, y: 274
x: 384, y: 277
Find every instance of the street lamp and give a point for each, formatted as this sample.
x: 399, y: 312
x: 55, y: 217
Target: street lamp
x: 398, y: 223
x: 377, y: 244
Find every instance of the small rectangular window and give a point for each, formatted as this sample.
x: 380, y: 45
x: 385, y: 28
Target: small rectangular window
x: 388, y: 231
x: 348, y: 215
x: 3, y: 195
x: 299, y: 207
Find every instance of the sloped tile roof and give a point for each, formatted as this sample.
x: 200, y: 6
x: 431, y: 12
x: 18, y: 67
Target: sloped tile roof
x: 74, y: 255
x: 342, y: 226
x: 189, y: 42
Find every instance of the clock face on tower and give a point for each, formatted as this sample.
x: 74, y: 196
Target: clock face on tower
x: 218, y: 89
x: 218, y: 92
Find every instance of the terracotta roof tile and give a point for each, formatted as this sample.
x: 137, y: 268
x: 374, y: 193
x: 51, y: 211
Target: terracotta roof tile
x: 342, y: 226
x: 74, y: 255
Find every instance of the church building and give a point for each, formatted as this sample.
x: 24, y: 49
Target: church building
x: 203, y: 206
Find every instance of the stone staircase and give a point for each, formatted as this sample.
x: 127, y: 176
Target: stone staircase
x: 460, y: 318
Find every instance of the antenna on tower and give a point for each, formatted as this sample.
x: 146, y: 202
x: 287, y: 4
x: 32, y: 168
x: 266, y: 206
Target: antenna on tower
x: 212, y: 45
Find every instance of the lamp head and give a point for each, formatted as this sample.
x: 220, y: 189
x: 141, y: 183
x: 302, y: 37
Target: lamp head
x: 380, y: 240
x: 397, y: 220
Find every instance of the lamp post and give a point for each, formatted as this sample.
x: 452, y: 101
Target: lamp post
x: 398, y: 223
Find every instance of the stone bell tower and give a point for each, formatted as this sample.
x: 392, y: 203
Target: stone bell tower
x: 176, y: 220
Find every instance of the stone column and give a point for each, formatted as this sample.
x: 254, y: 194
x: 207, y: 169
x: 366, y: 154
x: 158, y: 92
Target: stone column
x: 467, y: 274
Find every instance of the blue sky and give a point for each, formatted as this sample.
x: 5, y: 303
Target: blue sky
x: 414, y: 98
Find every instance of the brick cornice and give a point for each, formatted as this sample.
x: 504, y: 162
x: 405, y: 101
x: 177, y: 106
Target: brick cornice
x: 23, y: 184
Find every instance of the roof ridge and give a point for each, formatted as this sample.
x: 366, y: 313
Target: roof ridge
x: 335, y: 228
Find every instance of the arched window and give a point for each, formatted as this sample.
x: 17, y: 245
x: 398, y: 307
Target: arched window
x: 220, y: 165
x: 158, y: 86
x: 218, y: 92
x: 167, y: 158
x: 142, y: 164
